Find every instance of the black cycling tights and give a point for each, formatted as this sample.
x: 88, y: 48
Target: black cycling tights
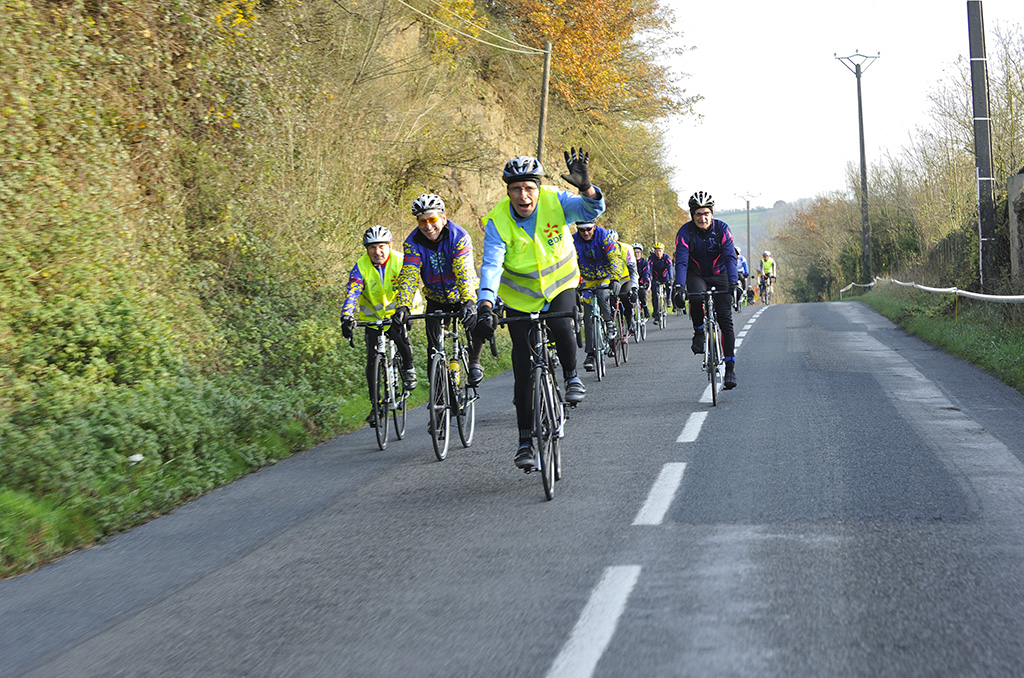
x: 723, y: 307
x: 565, y: 344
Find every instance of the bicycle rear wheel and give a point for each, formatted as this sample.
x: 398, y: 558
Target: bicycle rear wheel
x: 465, y: 413
x: 398, y: 414
x: 438, y: 411
x: 380, y: 400
x: 617, y: 322
x: 599, y: 348
x: 624, y: 339
x: 545, y: 428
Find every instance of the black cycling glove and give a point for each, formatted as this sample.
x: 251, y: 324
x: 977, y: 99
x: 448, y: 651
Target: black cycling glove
x: 348, y: 324
x: 679, y: 296
x: 469, y: 315
x: 579, y: 173
x: 486, y: 321
x: 401, y: 315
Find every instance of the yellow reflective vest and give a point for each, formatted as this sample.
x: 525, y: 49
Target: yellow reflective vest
x: 536, y: 269
x: 378, y: 298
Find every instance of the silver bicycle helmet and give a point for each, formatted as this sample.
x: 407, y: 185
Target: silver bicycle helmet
x: 614, y: 234
x: 428, y: 202
x: 376, y: 234
x: 638, y: 246
x: 522, y: 168
x: 701, y: 199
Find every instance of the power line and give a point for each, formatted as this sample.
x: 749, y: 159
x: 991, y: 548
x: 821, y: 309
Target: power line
x: 481, y: 28
x: 528, y: 50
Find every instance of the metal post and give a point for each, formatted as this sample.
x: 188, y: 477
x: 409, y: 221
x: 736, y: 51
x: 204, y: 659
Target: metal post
x: 544, y: 100
x: 857, y: 60
x: 982, y: 146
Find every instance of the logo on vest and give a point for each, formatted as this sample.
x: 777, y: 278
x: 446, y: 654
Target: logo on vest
x: 553, y: 234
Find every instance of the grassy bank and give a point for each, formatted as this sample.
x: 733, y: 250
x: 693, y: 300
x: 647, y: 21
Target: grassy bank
x: 987, y: 334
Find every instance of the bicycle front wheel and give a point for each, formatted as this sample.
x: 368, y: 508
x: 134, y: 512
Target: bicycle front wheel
x: 713, y: 360
x: 545, y: 428
x: 438, y: 411
x: 465, y: 413
x: 401, y: 405
x: 380, y: 400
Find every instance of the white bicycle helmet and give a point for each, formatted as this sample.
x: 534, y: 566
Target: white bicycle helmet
x: 638, y: 246
x: 701, y: 199
x: 376, y: 234
x: 614, y: 234
x: 522, y: 168
x: 428, y: 202
x: 766, y: 253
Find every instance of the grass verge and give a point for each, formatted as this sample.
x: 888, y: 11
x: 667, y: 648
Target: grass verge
x: 989, y: 335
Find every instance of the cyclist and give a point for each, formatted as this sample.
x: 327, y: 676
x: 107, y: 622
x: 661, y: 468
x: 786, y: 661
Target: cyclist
x: 371, y: 293
x: 643, y: 275
x: 440, y: 253
x: 627, y: 280
x: 706, y: 257
x: 597, y: 257
x: 742, y: 273
x: 661, y: 275
x: 529, y: 260
x: 766, y: 270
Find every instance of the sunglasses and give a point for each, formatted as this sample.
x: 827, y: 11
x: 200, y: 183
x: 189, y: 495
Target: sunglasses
x: 432, y: 221
x: 585, y: 230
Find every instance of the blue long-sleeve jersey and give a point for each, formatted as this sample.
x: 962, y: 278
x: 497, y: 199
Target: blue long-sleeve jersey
x: 706, y: 253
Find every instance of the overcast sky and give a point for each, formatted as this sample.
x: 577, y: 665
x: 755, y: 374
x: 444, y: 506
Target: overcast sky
x: 780, y: 112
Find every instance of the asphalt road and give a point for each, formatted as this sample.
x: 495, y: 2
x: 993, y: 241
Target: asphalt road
x: 854, y: 508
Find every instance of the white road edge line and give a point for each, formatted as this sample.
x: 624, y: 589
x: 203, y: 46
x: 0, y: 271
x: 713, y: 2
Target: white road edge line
x: 692, y: 428
x: 596, y: 625
x: 661, y: 495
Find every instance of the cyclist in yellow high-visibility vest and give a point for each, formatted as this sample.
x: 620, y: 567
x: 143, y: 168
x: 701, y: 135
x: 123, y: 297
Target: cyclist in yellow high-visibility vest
x: 372, y: 290
x: 626, y: 279
x: 767, y: 270
x: 529, y: 260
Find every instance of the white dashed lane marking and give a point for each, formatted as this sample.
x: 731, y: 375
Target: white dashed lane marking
x: 596, y: 625
x: 660, y: 497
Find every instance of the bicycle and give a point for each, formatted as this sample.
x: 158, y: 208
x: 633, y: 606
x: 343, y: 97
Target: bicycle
x: 595, y: 325
x: 766, y: 290
x: 620, y: 345
x: 388, y: 392
x: 450, y: 392
x: 659, y: 289
x: 714, y: 349
x: 638, y: 327
x: 549, y: 405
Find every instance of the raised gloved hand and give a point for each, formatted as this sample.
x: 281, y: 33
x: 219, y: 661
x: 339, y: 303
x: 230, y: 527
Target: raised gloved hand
x: 486, y: 321
x: 469, y: 315
x: 679, y: 296
x: 579, y: 173
x: 401, y: 315
x: 348, y: 324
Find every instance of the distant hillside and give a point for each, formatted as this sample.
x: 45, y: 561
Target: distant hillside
x: 762, y: 222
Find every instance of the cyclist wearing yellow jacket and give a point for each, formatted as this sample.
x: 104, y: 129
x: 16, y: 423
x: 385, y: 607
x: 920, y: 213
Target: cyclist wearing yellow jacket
x: 627, y: 280
x: 530, y: 262
x: 371, y: 294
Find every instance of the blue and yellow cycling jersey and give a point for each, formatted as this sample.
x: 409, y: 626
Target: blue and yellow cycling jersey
x: 445, y: 267
x: 598, y: 258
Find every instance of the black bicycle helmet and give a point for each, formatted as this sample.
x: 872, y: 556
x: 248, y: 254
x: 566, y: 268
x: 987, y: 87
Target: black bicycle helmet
x: 428, y: 202
x: 522, y: 168
x: 701, y: 199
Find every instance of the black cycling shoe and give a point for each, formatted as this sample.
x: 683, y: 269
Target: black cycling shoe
x: 476, y: 374
x: 697, y: 345
x: 575, y: 391
x: 730, y: 376
x: 525, y: 458
x: 588, y: 364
